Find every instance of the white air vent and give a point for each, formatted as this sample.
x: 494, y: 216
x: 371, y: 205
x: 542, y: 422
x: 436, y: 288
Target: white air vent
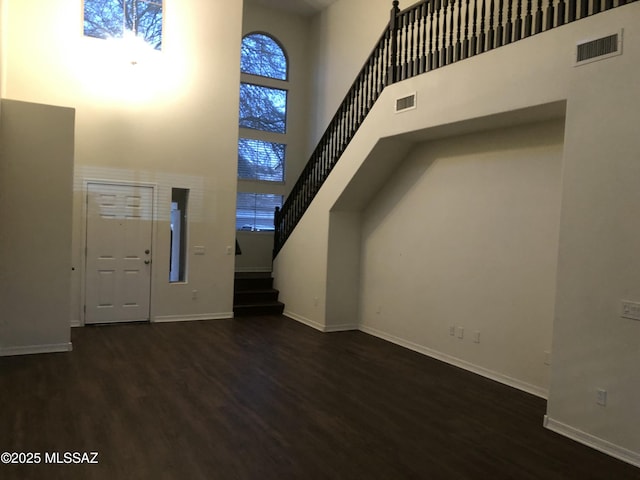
x: 599, y: 49
x: 406, y: 103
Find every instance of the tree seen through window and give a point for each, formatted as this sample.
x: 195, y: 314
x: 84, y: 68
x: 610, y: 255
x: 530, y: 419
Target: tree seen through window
x: 263, y: 108
x: 262, y: 56
x: 112, y: 18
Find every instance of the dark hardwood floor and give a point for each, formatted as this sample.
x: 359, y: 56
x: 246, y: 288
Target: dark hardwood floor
x: 269, y: 398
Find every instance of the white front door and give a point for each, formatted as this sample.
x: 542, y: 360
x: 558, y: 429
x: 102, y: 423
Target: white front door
x: 118, y: 263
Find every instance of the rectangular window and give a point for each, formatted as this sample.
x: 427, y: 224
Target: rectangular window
x: 254, y: 211
x: 263, y: 108
x: 259, y: 160
x: 112, y: 18
x: 178, y: 251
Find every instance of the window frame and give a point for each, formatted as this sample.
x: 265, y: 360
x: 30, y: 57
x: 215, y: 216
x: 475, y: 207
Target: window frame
x: 259, y: 186
x: 280, y: 46
x: 286, y: 108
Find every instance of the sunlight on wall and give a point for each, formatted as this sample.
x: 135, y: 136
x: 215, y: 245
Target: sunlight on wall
x: 129, y: 70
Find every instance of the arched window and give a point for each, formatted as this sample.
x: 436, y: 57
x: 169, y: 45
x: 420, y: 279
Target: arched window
x: 263, y: 128
x: 262, y: 55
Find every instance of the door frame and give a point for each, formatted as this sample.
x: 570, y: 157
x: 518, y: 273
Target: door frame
x: 84, y: 224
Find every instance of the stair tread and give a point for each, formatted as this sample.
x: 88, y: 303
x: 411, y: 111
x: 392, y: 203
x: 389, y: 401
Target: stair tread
x: 259, y: 304
x: 257, y: 290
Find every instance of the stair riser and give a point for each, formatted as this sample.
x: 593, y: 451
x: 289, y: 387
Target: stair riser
x: 251, y: 298
x: 250, y: 310
x: 252, y: 284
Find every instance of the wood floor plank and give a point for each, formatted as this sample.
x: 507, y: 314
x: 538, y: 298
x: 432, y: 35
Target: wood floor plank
x: 268, y: 398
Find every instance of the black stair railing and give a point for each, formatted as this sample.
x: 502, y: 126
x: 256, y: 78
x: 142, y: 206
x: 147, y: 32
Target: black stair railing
x: 428, y: 35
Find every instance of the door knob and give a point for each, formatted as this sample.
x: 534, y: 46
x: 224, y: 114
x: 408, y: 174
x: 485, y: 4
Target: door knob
x: 147, y: 251
x: 147, y: 262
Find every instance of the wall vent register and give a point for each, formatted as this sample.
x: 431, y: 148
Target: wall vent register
x: 599, y: 49
x: 406, y: 103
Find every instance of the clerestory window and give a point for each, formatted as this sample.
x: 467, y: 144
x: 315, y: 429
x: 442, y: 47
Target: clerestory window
x: 115, y: 18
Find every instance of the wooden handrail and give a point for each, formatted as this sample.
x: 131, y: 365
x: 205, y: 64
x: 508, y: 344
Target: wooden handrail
x: 427, y: 35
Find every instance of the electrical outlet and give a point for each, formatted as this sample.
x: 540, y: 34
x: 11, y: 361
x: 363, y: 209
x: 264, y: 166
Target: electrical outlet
x: 229, y: 250
x: 547, y: 357
x: 601, y: 398
x: 194, y: 294
x: 452, y: 330
x: 476, y: 336
x: 460, y: 331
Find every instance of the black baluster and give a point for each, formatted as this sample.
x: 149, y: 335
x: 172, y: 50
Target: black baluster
x: 436, y: 52
x: 508, y: 30
x: 483, y: 36
x: 379, y: 66
x: 451, y: 20
x: 551, y: 15
x: 596, y: 6
x: 518, y: 30
x: 465, y: 42
x: 584, y: 8
x: 561, y: 8
x: 571, y: 14
x: 500, y: 29
x: 608, y: 4
x: 443, y: 52
x: 528, y: 20
x: 418, y: 22
x: 474, y: 37
x: 393, y: 48
x: 458, y: 33
x: 491, y: 36
x: 539, y: 17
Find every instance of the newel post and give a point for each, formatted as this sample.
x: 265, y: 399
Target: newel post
x: 276, y: 232
x: 392, y: 73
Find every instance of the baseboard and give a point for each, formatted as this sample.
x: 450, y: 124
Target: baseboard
x: 253, y: 269
x: 596, y: 443
x: 76, y: 323
x: 191, y: 318
x: 496, y: 376
x: 36, y: 349
x: 346, y: 327
x: 306, y: 321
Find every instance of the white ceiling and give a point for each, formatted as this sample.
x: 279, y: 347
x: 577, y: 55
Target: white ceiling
x: 301, y: 7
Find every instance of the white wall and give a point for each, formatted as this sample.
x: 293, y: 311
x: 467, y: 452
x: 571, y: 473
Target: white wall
x: 164, y: 121
x: 36, y: 174
x: 597, y: 260
x: 339, y: 51
x: 599, y: 257
x: 465, y: 234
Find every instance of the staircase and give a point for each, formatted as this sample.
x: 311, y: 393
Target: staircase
x: 253, y: 294
x: 423, y: 37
